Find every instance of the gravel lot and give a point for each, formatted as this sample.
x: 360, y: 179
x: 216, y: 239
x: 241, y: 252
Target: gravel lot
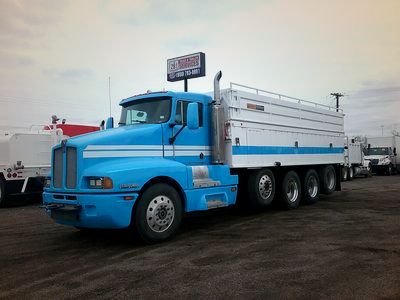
x: 345, y: 246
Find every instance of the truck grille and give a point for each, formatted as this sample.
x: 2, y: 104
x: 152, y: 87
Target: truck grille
x: 58, y: 168
x: 69, y: 170
x: 374, y: 161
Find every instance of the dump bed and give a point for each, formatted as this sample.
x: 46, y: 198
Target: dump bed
x: 268, y: 129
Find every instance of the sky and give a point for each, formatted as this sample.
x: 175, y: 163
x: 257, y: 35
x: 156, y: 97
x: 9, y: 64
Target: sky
x: 56, y: 57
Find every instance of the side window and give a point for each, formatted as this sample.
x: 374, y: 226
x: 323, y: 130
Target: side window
x: 181, y: 112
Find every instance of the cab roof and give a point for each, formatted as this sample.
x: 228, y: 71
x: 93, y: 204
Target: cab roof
x: 179, y: 95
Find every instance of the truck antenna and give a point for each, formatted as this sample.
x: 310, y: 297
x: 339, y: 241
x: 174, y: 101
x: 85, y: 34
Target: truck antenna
x: 109, y: 92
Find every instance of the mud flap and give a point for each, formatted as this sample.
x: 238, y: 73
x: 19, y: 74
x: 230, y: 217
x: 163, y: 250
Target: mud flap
x: 338, y: 170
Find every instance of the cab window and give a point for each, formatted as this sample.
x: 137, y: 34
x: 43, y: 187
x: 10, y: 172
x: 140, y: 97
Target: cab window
x: 181, y: 112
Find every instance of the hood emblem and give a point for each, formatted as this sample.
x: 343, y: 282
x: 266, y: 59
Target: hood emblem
x: 63, y: 145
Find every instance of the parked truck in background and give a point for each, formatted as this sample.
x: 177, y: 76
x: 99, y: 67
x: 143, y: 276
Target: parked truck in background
x: 382, y: 153
x: 354, y: 162
x: 178, y: 152
x: 25, y: 157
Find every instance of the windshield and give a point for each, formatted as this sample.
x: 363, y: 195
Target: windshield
x: 378, y: 151
x: 149, y: 111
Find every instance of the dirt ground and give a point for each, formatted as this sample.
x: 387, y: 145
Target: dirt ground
x: 346, y: 246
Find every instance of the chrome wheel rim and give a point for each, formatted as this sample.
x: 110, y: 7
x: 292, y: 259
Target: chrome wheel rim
x: 292, y: 190
x: 312, y: 187
x: 265, y: 186
x: 351, y: 173
x: 331, y: 180
x: 160, y: 213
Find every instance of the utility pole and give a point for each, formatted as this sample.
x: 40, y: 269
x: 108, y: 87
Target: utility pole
x: 337, y: 96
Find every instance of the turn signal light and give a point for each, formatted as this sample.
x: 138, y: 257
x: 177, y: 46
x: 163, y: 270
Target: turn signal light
x: 107, y: 183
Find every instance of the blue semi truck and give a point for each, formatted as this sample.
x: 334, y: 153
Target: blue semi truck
x: 178, y: 152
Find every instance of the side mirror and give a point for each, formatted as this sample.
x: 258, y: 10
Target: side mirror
x: 193, y: 116
x: 395, y: 151
x: 110, y: 123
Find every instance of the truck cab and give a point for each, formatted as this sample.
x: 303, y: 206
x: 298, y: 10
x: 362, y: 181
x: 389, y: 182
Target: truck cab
x: 382, y: 159
x: 160, y: 152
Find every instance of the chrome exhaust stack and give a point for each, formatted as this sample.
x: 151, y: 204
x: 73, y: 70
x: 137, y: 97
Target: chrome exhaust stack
x: 218, y: 123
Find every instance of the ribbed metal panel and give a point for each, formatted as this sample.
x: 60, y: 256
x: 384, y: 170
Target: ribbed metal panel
x: 58, y: 168
x: 71, y: 168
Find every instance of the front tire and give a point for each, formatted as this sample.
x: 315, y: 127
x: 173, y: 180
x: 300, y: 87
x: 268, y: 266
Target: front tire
x: 291, y: 190
x: 311, y: 187
x: 261, y: 188
x: 389, y: 170
x: 328, y: 179
x: 158, y: 213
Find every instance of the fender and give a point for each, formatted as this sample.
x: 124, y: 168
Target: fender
x: 131, y: 174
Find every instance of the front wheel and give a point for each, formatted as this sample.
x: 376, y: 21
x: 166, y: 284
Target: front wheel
x: 389, y: 170
x: 158, y: 213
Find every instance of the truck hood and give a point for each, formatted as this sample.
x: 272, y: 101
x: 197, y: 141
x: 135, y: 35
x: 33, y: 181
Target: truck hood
x: 119, y: 138
x: 369, y: 157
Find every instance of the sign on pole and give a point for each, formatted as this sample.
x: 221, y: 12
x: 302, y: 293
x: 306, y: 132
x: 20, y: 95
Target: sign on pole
x: 186, y: 67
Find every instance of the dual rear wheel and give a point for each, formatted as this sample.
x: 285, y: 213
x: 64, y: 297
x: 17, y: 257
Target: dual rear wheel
x: 293, y: 188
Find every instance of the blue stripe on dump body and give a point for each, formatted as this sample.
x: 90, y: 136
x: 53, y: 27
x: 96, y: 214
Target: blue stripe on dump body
x: 268, y: 150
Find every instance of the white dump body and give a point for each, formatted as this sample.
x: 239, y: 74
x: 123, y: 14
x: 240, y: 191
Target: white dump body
x: 27, y: 154
x: 264, y: 130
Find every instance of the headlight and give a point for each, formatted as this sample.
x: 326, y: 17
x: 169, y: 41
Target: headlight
x: 47, y: 182
x: 100, y: 183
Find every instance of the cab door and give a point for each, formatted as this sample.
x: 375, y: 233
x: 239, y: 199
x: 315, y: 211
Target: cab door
x: 190, y: 146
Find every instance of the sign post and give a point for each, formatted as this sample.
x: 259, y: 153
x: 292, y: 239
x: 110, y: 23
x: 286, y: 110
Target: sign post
x: 186, y: 67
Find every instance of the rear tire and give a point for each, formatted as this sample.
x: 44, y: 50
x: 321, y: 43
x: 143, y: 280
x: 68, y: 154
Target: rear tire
x: 158, y: 213
x: 3, y: 194
x: 344, y: 173
x: 291, y: 190
x: 327, y: 179
x: 350, y: 174
x: 261, y: 188
x: 311, y: 187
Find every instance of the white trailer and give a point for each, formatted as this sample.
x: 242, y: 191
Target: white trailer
x: 25, y: 160
x: 382, y: 154
x: 270, y: 137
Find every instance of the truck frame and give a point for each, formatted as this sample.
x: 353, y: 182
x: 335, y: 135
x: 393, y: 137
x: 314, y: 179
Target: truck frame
x: 181, y: 152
